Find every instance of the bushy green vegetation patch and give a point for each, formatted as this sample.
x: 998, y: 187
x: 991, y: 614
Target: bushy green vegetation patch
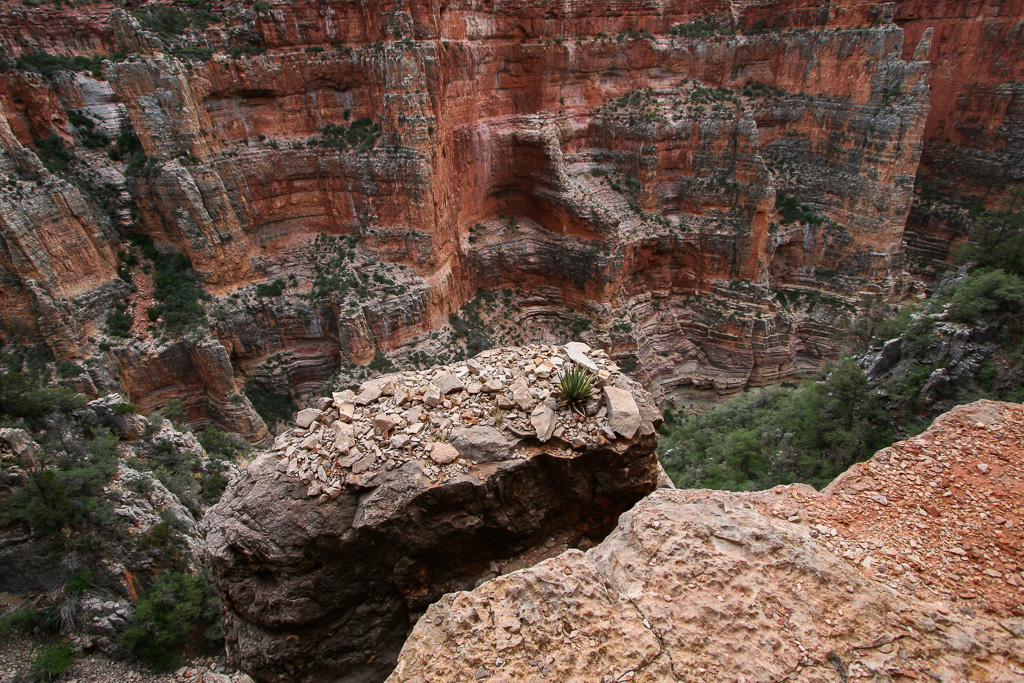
x: 40, y: 622
x: 271, y: 289
x: 272, y: 406
x: 171, y: 20
x: 779, y: 435
x: 792, y: 211
x: 52, y: 152
x: 50, y: 662
x: 176, y: 289
x: 700, y: 28
x: 813, y: 432
x: 361, y: 136
x: 168, y: 615
x: 50, y: 64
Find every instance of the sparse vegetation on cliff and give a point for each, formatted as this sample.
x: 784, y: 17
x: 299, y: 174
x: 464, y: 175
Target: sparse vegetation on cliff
x: 964, y: 343
x: 778, y: 435
x: 361, y: 136
x: 168, y: 615
x: 700, y: 28
x: 176, y: 289
x: 50, y: 64
x: 52, y: 152
x: 273, y: 406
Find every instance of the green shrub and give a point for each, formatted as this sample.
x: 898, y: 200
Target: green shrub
x: 167, y: 616
x: 701, y: 28
x: 580, y: 326
x: 50, y: 662
x: 990, y: 295
x: 998, y: 236
x: 362, y: 135
x: 792, y: 211
x: 199, y: 54
x: 123, y: 408
x: 222, y: 445
x: 272, y: 406
x: 81, y: 581
x: 48, y: 64
x: 66, y: 369
x: 52, y: 153
x: 212, y: 485
x: 44, y: 622
x: 164, y: 20
x: 21, y: 397
x: 575, y: 385
x: 93, y: 139
x: 70, y: 496
x: 271, y: 289
x: 175, y: 287
x: 781, y: 435
x: 381, y: 363
x: 118, y: 322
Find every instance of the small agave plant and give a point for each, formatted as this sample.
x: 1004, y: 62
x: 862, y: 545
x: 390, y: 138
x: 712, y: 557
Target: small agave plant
x: 575, y: 385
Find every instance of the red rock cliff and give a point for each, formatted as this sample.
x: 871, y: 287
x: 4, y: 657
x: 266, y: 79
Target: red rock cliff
x: 714, y: 189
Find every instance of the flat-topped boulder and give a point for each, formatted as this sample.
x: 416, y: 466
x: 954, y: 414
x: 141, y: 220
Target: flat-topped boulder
x: 333, y: 542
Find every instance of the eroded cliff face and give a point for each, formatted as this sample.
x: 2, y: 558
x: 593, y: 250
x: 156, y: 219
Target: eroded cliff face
x: 713, y: 192
x: 886, y: 575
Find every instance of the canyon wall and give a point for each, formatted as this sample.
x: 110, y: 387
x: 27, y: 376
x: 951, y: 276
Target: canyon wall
x: 707, y: 191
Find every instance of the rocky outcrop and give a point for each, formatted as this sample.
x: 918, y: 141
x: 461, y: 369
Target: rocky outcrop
x: 908, y: 566
x: 379, y: 502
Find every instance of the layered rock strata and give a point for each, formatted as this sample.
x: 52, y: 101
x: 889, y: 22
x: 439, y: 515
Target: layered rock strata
x: 381, y: 501
x: 618, y: 160
x: 907, y: 567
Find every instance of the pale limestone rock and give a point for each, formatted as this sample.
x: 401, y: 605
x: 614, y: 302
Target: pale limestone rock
x: 623, y: 412
x: 431, y: 397
x: 306, y: 417
x: 521, y: 394
x: 384, y: 423
x: 346, y: 396
x: 448, y: 382
x: 368, y: 395
x: 481, y: 444
x: 637, y: 604
x: 544, y: 422
x: 363, y: 464
x: 577, y: 352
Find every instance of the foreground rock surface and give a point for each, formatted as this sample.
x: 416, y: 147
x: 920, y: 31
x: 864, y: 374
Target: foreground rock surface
x: 328, y: 548
x: 701, y: 585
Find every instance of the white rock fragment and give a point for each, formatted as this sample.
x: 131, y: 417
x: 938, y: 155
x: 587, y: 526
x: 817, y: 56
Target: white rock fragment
x: 431, y: 397
x: 447, y: 383
x: 368, y: 395
x: 544, y: 422
x: 306, y: 417
x: 623, y: 412
x: 577, y: 352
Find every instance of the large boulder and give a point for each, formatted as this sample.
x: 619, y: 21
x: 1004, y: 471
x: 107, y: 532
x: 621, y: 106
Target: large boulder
x: 326, y: 551
x: 868, y: 580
